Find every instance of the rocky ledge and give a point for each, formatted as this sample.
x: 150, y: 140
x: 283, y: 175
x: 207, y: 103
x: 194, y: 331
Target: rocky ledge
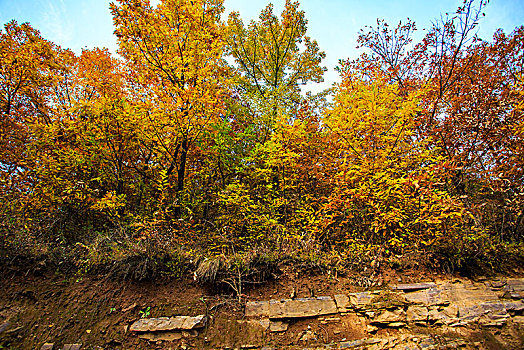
x: 432, y: 315
x: 448, y: 303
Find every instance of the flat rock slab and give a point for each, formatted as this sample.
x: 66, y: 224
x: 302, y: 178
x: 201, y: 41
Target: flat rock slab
x: 168, y: 336
x: 514, y: 295
x: 414, y: 286
x: 72, y: 347
x: 362, y: 298
x: 397, y: 315
x: 445, y: 315
x: 417, y: 313
x: 514, y: 306
x: 351, y: 301
x: 514, y: 284
x: 514, y: 288
x: 48, y: 346
x: 168, y: 323
x: 343, y: 302
x: 361, y: 343
x: 257, y: 309
x: 469, y: 294
x: 496, y: 284
x: 518, y: 319
x: 303, y: 307
x: 431, y: 296
x: 471, y: 312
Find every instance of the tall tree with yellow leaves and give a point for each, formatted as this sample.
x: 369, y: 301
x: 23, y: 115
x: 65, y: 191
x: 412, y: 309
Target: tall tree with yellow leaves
x: 174, y: 54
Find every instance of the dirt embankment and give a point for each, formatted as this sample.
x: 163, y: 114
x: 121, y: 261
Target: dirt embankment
x: 97, y: 312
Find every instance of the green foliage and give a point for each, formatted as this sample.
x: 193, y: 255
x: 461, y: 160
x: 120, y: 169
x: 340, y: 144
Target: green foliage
x: 273, y: 56
x: 145, y: 313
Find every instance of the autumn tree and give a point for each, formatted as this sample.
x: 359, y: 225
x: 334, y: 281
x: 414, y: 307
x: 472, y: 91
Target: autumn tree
x: 29, y: 65
x: 389, y: 50
x: 385, y: 183
x: 87, y: 152
x: 46, y: 171
x: 26, y: 63
x: 274, y: 57
x: 469, y: 105
x: 174, y: 52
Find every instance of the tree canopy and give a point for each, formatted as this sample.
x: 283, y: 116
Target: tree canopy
x: 197, y: 137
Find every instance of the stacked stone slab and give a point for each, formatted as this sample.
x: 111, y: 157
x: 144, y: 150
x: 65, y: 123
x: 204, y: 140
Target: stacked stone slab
x: 450, y: 303
x: 444, y: 304
x: 275, y: 311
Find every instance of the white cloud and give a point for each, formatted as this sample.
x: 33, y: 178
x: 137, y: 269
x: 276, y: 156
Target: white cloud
x: 56, y: 22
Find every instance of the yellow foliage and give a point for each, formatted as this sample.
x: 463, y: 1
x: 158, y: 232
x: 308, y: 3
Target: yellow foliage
x: 385, y: 180
x: 110, y: 203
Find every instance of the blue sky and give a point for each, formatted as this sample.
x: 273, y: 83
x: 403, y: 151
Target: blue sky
x: 335, y: 24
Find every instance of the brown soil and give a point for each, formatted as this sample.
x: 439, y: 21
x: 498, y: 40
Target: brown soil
x: 97, y: 311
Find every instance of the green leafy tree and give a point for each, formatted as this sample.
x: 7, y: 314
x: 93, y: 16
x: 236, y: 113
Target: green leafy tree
x: 274, y: 56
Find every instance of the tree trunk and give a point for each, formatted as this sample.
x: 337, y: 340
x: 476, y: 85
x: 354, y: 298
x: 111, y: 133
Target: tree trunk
x: 181, y: 175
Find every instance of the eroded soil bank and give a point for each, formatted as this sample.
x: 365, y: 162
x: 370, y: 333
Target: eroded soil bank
x: 444, y: 312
